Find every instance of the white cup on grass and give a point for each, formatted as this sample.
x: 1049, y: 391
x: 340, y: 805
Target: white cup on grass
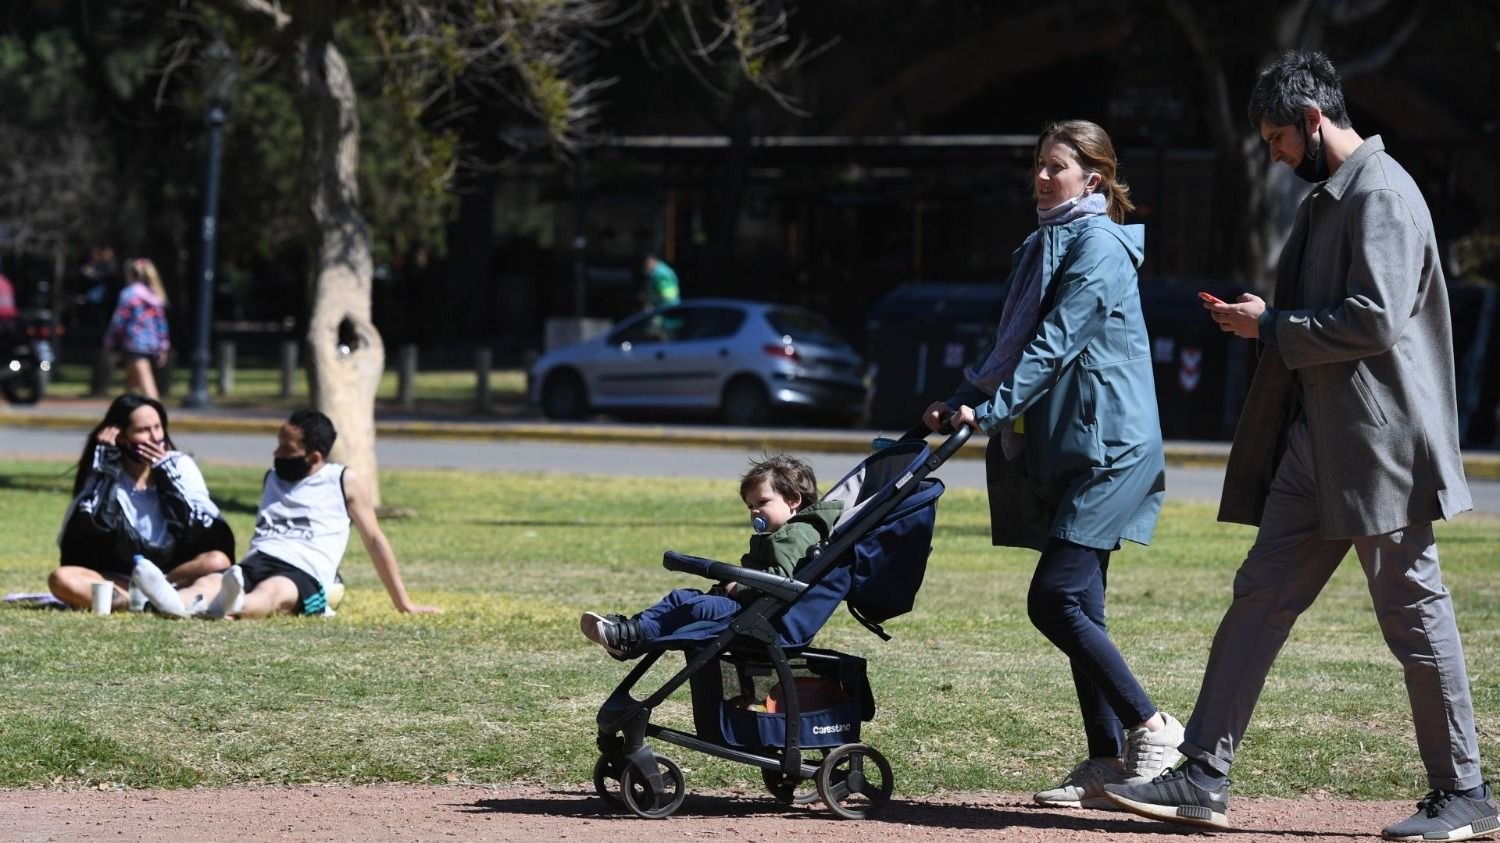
x: 104, y: 597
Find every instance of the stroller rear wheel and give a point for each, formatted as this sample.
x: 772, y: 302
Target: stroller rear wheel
x: 606, y: 780
x: 855, y: 781
x: 643, y: 801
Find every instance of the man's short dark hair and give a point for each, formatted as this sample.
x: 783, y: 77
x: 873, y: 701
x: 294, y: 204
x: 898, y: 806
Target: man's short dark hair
x: 1298, y: 79
x: 317, y: 431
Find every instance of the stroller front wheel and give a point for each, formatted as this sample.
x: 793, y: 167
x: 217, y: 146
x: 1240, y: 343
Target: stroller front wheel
x: 606, y: 780
x: 643, y: 800
x: 855, y: 781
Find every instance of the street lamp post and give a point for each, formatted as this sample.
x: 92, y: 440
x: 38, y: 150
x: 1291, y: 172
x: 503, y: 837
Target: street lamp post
x: 219, y: 71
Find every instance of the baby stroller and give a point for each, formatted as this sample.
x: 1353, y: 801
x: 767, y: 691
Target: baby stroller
x: 760, y: 694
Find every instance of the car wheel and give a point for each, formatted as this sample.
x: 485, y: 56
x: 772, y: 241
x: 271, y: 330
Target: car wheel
x: 745, y: 403
x: 24, y: 388
x: 564, y: 396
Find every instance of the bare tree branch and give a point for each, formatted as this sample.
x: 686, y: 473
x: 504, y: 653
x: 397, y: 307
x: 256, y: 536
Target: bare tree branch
x: 266, y: 18
x: 52, y: 188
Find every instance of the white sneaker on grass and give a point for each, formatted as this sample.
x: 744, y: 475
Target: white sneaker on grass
x: 1084, y: 786
x: 137, y: 601
x: 231, y: 597
x: 1149, y: 754
x: 151, y: 582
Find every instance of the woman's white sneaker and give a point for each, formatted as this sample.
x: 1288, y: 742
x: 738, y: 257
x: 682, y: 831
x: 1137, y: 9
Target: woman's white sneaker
x: 1149, y: 754
x: 1084, y: 786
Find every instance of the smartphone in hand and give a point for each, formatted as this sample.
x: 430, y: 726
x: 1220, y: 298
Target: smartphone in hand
x: 1210, y: 298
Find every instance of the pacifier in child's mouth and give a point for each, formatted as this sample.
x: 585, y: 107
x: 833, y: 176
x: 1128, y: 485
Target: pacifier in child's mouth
x: 758, y: 523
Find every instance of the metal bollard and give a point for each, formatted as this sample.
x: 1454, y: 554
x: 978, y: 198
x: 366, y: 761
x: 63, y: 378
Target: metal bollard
x: 104, y: 367
x: 482, y: 380
x: 406, y: 388
x: 288, y: 367
x: 165, y: 372
x: 226, y: 355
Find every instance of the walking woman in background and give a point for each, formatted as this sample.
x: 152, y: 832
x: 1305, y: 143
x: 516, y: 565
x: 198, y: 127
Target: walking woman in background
x: 138, y: 329
x: 1075, y: 459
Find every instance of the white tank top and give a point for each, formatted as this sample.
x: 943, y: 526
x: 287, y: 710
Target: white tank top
x: 305, y: 524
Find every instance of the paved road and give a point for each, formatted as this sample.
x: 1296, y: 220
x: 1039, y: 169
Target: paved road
x: 1197, y: 484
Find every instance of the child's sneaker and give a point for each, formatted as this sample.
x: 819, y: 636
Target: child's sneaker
x: 1149, y: 754
x: 617, y: 634
x: 1084, y: 786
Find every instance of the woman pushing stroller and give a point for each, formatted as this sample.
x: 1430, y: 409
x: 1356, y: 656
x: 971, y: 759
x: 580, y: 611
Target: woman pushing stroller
x: 1075, y: 460
x: 781, y: 493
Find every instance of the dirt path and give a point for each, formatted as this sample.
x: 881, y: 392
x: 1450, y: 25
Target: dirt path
x: 538, y: 815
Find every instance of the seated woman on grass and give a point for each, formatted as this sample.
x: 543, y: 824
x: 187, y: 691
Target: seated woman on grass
x: 134, y: 495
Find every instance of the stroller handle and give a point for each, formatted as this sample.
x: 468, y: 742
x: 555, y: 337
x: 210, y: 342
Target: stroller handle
x: 949, y: 447
x: 921, y: 431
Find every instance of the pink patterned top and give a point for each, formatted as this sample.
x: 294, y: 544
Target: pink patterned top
x: 139, y: 325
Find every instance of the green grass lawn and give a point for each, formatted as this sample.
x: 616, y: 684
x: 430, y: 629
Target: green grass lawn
x: 442, y: 391
x: 501, y: 687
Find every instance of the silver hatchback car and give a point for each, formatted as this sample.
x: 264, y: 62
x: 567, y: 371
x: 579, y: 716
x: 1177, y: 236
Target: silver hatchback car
x: 747, y: 360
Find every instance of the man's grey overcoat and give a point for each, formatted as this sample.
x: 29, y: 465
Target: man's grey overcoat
x: 1361, y: 320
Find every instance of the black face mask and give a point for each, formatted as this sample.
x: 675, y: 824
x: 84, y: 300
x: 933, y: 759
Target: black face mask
x: 290, y: 469
x: 1314, y: 164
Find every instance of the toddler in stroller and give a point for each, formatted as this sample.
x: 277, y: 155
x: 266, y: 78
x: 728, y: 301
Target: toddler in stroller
x: 760, y: 694
x: 782, y: 495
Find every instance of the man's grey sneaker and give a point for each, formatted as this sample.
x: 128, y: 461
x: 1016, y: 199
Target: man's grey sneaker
x: 1149, y: 754
x: 1084, y: 787
x: 1172, y: 798
x: 617, y: 634
x: 1446, y: 815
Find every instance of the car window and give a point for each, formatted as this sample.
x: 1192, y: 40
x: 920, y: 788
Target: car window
x: 648, y: 328
x: 802, y: 324
x: 708, y: 323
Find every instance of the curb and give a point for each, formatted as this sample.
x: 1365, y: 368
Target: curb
x: 1477, y: 466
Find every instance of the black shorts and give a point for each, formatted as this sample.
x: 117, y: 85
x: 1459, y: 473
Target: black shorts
x: 132, y: 356
x: 312, y: 599
x: 85, y: 545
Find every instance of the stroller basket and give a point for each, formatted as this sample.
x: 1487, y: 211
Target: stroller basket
x: 739, y: 701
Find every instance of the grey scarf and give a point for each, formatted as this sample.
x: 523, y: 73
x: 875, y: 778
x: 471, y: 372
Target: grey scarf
x: 1022, y: 313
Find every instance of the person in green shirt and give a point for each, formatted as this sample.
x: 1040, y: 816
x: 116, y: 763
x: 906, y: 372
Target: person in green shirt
x: 662, y: 289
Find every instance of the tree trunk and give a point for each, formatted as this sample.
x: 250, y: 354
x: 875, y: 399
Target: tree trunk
x: 345, y: 351
x: 1250, y: 240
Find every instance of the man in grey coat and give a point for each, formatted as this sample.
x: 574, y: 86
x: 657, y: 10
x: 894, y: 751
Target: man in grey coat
x: 1349, y: 437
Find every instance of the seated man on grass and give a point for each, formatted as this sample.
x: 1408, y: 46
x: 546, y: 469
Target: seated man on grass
x: 301, y: 532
